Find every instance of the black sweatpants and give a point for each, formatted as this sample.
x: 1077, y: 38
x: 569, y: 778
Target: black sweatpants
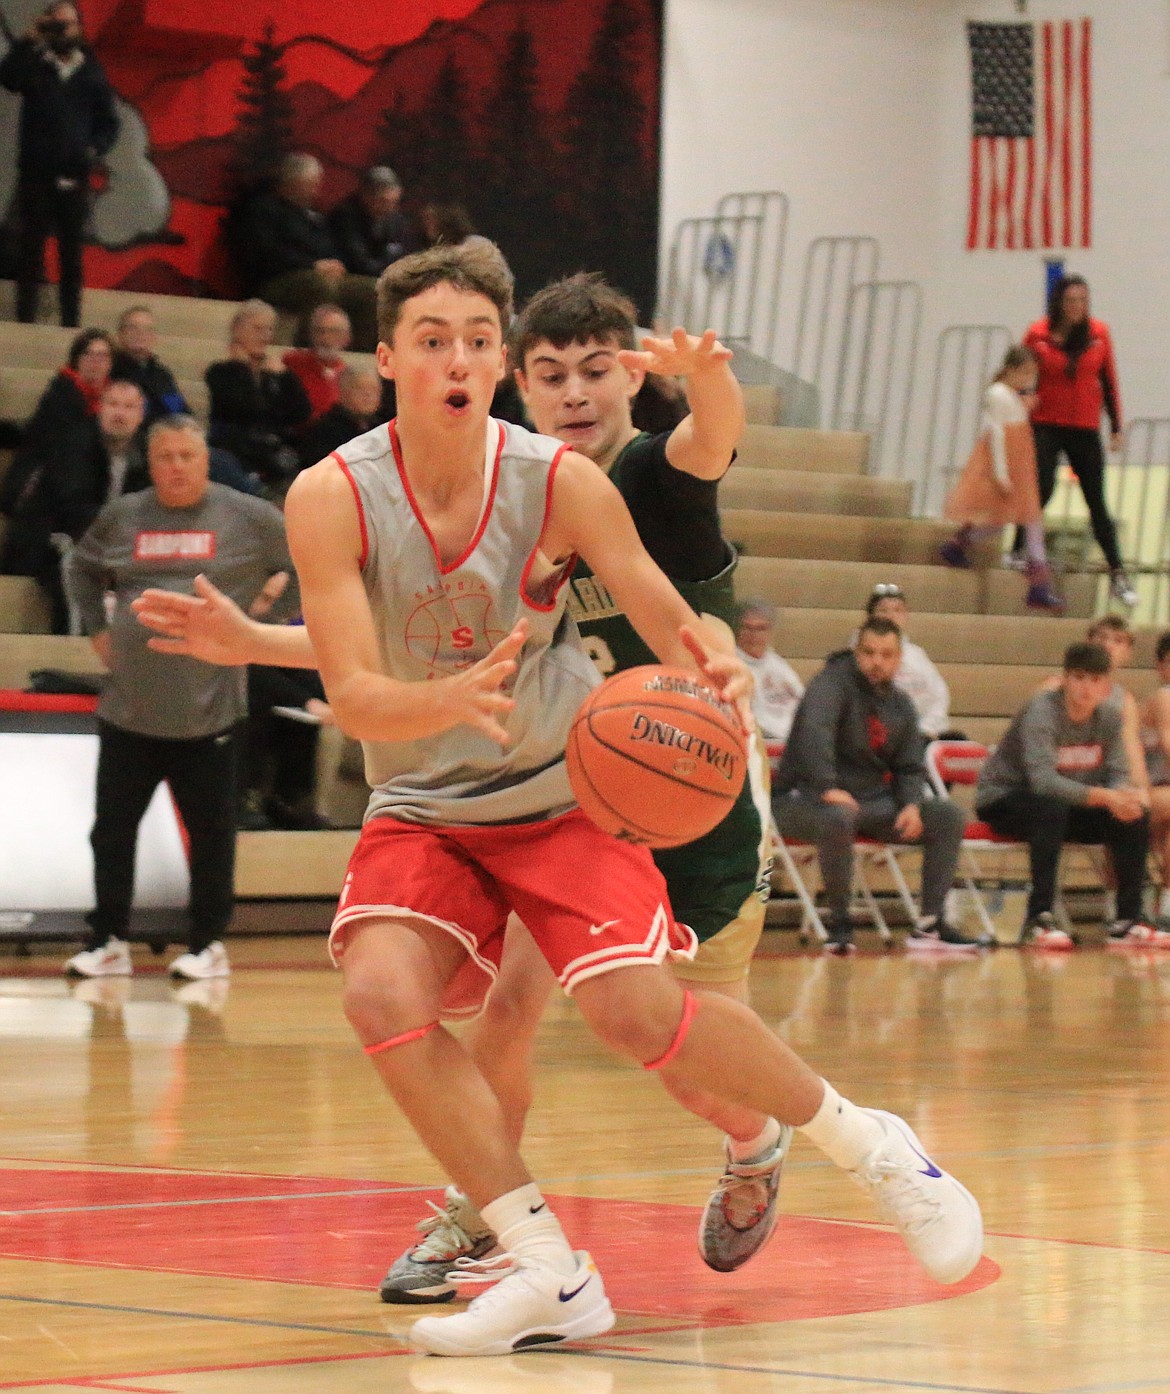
x: 202, y: 777
x: 47, y: 211
x: 1046, y: 824
x: 280, y: 753
x: 1082, y: 448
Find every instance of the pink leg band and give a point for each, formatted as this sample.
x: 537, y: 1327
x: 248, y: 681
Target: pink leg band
x: 407, y: 1036
x: 690, y: 1007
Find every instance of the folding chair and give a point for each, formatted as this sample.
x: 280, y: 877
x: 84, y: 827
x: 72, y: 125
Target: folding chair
x: 959, y: 762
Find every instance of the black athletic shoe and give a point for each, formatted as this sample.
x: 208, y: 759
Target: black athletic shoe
x: 942, y: 935
x: 840, y: 940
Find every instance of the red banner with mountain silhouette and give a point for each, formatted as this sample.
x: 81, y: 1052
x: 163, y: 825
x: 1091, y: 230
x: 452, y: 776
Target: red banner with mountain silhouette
x: 540, y: 116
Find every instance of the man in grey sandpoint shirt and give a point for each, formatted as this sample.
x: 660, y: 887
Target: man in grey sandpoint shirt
x: 162, y: 715
x: 1061, y: 775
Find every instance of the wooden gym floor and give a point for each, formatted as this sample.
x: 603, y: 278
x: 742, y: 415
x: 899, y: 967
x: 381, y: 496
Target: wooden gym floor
x: 200, y: 1189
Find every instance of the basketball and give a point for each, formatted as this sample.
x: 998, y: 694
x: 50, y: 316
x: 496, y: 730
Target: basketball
x: 655, y: 758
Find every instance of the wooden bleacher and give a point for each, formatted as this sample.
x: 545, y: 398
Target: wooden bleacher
x: 818, y: 532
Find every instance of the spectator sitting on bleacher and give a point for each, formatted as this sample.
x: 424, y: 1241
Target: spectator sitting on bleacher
x: 67, y: 484
x: 369, y: 229
x: 1114, y: 635
x: 358, y: 409
x: 1061, y: 774
x: 288, y: 256
x: 257, y: 406
x: 853, y: 766
x: 778, y: 690
x: 319, y: 366
x: 1155, y: 736
x: 136, y: 360
x: 917, y: 676
x: 73, y: 396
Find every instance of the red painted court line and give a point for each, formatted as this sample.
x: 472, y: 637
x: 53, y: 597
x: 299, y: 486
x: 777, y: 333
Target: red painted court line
x: 1081, y: 1243
x: 92, y: 1381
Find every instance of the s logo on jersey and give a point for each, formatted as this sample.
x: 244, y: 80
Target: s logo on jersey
x: 454, y: 625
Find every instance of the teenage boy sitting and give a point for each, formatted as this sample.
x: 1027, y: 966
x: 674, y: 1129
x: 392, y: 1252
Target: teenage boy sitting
x: 1062, y: 774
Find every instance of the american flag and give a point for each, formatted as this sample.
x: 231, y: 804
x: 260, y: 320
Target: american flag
x: 1031, y: 135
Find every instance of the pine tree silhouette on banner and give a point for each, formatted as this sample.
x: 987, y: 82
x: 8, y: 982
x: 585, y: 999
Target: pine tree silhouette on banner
x: 442, y: 135
x: 605, y: 134
x: 263, y: 133
x: 516, y: 199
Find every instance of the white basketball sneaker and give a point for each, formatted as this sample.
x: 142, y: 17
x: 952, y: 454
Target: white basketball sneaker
x: 938, y: 1218
x: 211, y: 962
x: 532, y: 1306
x: 111, y: 960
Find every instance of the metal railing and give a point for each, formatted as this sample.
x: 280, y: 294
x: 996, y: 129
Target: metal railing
x: 833, y: 266
x: 712, y: 274
x: 966, y: 359
x: 766, y: 267
x: 876, y: 369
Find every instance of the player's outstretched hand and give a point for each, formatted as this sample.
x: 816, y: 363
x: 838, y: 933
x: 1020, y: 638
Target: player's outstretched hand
x: 728, y: 675
x: 682, y: 355
x: 207, y: 625
x: 475, y: 696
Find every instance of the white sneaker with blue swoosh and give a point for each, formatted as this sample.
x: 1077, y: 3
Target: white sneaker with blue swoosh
x: 938, y: 1218
x: 532, y: 1306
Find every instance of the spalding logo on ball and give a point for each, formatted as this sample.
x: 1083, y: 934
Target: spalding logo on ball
x: 655, y: 758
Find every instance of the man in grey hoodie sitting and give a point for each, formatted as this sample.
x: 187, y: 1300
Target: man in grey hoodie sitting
x: 853, y: 767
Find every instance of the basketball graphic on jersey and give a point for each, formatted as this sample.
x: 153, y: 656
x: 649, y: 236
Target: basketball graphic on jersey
x: 449, y: 632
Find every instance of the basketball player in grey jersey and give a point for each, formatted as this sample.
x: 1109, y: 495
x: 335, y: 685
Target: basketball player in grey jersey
x: 436, y: 897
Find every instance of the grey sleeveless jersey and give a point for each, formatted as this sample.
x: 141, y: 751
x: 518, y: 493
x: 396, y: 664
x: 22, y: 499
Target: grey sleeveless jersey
x: 434, y: 620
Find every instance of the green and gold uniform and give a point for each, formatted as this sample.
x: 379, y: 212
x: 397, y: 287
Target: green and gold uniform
x: 720, y: 883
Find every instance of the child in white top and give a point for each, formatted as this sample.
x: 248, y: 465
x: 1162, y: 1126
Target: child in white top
x: 999, y: 482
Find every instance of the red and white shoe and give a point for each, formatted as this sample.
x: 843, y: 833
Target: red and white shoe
x: 110, y: 960
x: 1042, y: 932
x: 1137, y: 934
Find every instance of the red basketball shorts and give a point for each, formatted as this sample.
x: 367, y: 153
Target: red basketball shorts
x: 592, y: 903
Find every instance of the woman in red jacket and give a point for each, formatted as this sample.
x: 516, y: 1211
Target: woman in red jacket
x: 1077, y: 380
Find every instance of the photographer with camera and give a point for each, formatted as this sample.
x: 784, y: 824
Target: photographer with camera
x: 68, y: 121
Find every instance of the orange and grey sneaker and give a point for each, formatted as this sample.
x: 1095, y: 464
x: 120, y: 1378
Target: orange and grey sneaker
x: 740, y: 1213
x: 455, y: 1232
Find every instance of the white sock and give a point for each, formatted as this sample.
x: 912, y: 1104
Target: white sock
x: 1164, y: 903
x: 843, y: 1132
x: 1034, y: 542
x: 755, y: 1149
x: 527, y: 1228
